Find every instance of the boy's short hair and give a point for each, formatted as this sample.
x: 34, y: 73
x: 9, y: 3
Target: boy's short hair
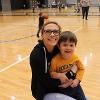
x: 67, y: 36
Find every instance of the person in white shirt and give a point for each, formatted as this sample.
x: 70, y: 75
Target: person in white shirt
x: 85, y: 8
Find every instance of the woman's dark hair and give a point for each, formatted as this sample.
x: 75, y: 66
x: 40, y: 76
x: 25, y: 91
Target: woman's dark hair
x: 51, y: 22
x: 67, y: 36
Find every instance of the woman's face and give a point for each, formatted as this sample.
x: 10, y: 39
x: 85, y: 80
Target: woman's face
x: 51, y: 34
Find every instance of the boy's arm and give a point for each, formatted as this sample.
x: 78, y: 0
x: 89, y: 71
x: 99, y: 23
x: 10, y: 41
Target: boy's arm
x: 57, y: 75
x: 79, y: 74
x: 80, y: 71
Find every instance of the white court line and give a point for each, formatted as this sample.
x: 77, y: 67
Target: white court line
x: 9, y: 66
x: 78, y: 29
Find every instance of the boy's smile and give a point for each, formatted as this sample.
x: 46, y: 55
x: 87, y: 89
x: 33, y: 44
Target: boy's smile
x: 66, y: 49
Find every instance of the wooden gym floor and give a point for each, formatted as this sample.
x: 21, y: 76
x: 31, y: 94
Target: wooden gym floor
x: 18, y: 37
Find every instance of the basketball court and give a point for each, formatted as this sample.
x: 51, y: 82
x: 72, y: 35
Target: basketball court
x: 17, y: 39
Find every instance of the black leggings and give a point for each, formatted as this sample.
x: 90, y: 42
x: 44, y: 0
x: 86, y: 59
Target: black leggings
x: 85, y: 11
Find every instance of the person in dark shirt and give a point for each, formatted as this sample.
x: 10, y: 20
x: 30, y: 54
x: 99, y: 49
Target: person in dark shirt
x: 41, y: 22
x: 40, y: 58
x: 33, y: 7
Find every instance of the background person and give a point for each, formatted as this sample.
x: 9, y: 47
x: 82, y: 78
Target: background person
x: 85, y: 8
x: 41, y: 23
x: 42, y: 17
x: 99, y: 4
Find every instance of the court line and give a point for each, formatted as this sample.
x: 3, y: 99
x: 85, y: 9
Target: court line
x: 77, y: 29
x: 9, y: 66
x: 7, y: 41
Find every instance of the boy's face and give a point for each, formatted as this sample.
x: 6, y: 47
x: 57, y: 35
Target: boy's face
x: 66, y: 49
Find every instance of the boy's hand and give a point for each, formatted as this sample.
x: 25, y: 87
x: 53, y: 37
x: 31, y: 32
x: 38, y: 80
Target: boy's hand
x: 63, y: 78
x: 75, y: 82
x: 66, y: 84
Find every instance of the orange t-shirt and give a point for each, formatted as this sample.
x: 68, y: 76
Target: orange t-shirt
x: 61, y: 65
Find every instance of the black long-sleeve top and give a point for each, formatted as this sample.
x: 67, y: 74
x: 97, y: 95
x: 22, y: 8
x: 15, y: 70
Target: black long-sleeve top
x: 39, y: 60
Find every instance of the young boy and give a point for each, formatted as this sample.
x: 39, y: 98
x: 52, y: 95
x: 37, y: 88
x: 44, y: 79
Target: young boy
x: 67, y: 64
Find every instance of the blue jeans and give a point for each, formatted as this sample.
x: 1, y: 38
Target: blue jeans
x: 76, y: 93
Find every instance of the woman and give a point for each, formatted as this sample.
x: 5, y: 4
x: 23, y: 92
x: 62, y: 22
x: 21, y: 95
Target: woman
x: 85, y: 8
x: 40, y: 58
